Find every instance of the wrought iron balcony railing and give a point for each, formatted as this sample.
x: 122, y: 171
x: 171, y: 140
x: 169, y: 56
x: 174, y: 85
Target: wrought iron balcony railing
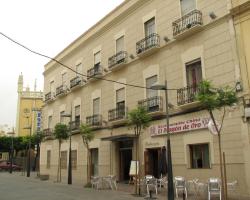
x: 186, y: 95
x: 152, y: 104
x: 186, y: 22
x: 95, y: 71
x: 75, y: 81
x: 75, y: 125
x: 117, y: 113
x: 48, y: 132
x: 147, y: 43
x: 94, y: 120
x: 61, y: 90
x: 48, y: 96
x: 120, y: 57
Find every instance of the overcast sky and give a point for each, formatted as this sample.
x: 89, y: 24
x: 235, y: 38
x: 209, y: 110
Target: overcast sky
x: 46, y: 26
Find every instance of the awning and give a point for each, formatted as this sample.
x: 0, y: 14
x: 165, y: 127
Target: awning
x: 116, y: 138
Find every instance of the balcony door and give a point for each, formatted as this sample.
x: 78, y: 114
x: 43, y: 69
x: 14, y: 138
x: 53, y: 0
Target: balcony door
x: 194, y: 73
x: 187, y: 6
x: 149, y: 27
x: 120, y: 102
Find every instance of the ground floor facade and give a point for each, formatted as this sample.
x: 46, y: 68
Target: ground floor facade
x: 195, y: 151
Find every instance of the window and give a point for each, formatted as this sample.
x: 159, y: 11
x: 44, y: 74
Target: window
x: 97, y: 58
x: 77, y: 113
x: 61, y: 117
x: 199, y: 156
x: 120, y: 44
x: 48, y: 159
x: 50, y: 122
x: 64, y: 78
x: 63, y: 159
x: 149, y: 82
x: 74, y: 159
x: 79, y: 68
x: 96, y: 106
x: 149, y: 27
x: 187, y: 6
x: 120, y: 98
x: 52, y: 86
x: 194, y: 73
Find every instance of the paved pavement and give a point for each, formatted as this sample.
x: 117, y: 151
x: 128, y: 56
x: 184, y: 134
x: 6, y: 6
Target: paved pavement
x: 16, y: 186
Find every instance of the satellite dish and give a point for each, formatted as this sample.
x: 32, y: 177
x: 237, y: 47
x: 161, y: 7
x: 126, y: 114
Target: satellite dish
x: 211, y: 127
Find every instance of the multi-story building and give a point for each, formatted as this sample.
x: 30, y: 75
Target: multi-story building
x: 140, y: 43
x: 29, y: 106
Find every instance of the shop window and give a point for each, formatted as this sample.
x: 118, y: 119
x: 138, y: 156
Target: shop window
x: 194, y: 73
x: 63, y: 159
x: 187, y: 6
x: 48, y: 159
x: 74, y: 159
x: 199, y: 156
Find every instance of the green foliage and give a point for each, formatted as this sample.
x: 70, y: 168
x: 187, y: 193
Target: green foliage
x: 139, y: 119
x: 212, y: 98
x: 61, y: 131
x: 86, y: 133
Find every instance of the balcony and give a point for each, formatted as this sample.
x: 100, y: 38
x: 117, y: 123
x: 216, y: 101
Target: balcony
x: 118, y: 115
x: 61, y: 91
x: 48, y: 133
x: 95, y: 72
x: 187, y: 25
x: 148, y: 45
x: 186, y: 97
x: 75, y: 125
x: 118, y: 60
x: 48, y: 97
x: 76, y: 82
x: 94, y: 120
x: 153, y: 105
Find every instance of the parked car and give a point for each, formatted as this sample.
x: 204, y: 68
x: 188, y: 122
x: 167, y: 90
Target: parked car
x: 5, y: 165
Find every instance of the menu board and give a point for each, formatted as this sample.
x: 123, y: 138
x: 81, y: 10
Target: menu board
x: 132, y: 170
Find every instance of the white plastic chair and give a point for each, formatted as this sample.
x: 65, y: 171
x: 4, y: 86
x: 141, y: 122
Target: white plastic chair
x: 214, y: 187
x: 180, y: 185
x: 231, y: 186
x: 163, y: 182
x: 151, y: 182
x: 95, y: 182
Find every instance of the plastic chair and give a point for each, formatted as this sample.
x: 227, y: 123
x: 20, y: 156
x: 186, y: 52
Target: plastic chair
x: 231, y: 186
x: 214, y: 187
x: 151, y: 181
x: 180, y: 185
x: 95, y: 182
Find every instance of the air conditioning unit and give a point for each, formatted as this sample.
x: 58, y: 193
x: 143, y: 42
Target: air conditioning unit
x: 247, y: 112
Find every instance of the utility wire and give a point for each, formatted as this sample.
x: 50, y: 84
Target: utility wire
x: 62, y: 64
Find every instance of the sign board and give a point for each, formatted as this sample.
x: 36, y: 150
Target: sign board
x: 38, y: 124
x: 178, y: 127
x: 132, y: 169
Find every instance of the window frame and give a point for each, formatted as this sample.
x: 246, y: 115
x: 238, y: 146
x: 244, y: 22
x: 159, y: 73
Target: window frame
x: 201, y: 145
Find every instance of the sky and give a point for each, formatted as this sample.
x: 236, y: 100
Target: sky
x: 45, y: 26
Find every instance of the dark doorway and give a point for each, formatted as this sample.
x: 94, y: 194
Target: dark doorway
x: 125, y: 159
x: 155, y: 162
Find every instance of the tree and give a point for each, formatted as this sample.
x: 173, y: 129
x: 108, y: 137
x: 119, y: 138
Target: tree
x: 38, y: 137
x: 213, y: 99
x: 61, y: 133
x: 139, y: 120
x: 87, y: 136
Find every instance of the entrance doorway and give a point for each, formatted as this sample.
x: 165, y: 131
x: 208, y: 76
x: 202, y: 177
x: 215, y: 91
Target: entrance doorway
x: 155, y: 162
x: 94, y: 162
x: 125, y: 151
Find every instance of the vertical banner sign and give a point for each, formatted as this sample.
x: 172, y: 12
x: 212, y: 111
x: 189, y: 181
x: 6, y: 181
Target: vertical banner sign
x: 38, y: 121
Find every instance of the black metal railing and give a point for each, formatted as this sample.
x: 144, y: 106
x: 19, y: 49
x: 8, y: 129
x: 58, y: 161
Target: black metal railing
x: 152, y: 104
x: 75, y: 125
x: 120, y: 57
x: 96, y: 70
x: 187, y: 21
x: 117, y: 113
x: 48, y: 132
x: 94, y: 120
x: 48, y: 96
x: 187, y: 94
x: 60, y: 90
x: 148, y: 42
x: 75, y: 81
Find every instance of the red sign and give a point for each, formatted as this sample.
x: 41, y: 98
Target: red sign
x: 182, y: 126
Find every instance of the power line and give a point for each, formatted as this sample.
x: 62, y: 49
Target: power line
x: 62, y: 64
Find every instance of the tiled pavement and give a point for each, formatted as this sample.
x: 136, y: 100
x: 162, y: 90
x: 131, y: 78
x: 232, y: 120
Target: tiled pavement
x: 15, y: 186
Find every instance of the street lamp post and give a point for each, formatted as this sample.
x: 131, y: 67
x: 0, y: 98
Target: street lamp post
x: 28, y: 160
x: 169, y: 158
x: 70, y: 161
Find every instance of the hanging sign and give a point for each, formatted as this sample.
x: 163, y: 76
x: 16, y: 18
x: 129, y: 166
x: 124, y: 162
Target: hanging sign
x: 133, y: 167
x: 178, y: 127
